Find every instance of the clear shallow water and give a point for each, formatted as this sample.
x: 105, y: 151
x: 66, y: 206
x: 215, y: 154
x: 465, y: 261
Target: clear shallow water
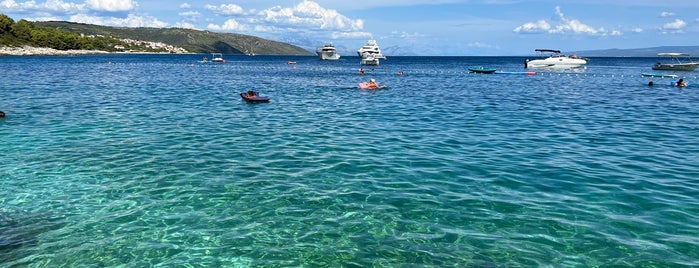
x: 154, y: 160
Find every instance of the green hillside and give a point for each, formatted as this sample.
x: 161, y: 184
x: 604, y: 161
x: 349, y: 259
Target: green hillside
x: 195, y: 41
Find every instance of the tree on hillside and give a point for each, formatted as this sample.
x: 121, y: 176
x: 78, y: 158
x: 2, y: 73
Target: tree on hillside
x: 22, y: 30
x: 5, y: 23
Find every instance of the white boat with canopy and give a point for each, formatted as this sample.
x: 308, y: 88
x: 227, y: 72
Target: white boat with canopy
x: 679, y: 62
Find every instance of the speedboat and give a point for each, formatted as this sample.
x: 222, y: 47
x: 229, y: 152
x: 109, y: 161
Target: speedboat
x: 676, y: 64
x: 217, y: 57
x: 553, y: 59
x: 328, y: 52
x: 371, y: 49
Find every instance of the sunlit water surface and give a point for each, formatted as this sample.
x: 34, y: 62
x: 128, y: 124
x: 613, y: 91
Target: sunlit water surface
x: 154, y: 160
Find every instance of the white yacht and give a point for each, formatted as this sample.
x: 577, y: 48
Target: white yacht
x: 371, y: 49
x: 553, y: 59
x: 328, y: 52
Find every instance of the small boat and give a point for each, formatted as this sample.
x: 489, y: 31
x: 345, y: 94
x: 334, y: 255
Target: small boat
x: 553, y: 59
x: 217, y: 57
x: 659, y: 75
x: 253, y: 97
x: 290, y: 62
x: 676, y: 65
x: 482, y: 70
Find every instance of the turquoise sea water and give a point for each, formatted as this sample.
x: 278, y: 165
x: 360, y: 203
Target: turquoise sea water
x: 154, y: 161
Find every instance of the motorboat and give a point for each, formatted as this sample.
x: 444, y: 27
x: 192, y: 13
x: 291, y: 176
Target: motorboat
x: 371, y: 48
x: 679, y: 62
x: 217, y: 57
x: 482, y: 70
x: 328, y: 52
x: 553, y: 59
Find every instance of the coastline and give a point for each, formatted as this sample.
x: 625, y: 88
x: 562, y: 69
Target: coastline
x: 44, y: 51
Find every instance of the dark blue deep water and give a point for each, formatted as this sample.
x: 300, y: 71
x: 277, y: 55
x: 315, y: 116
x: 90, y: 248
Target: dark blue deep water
x: 155, y: 161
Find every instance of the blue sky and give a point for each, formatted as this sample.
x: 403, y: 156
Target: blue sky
x: 402, y: 27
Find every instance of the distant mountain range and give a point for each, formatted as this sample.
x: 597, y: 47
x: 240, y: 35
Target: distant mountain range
x: 195, y: 41
x: 639, y: 52
x: 198, y: 41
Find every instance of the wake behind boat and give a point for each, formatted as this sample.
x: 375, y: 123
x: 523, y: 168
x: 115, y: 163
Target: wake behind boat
x: 553, y: 59
x: 676, y: 64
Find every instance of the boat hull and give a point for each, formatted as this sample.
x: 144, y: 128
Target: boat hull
x: 328, y: 55
x: 482, y: 70
x: 369, y: 61
x: 556, y: 63
x: 676, y: 67
x: 254, y: 99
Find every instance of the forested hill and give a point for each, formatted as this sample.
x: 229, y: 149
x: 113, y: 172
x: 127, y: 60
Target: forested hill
x: 196, y: 41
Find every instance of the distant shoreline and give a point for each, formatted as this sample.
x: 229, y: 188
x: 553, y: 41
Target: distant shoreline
x: 44, y: 51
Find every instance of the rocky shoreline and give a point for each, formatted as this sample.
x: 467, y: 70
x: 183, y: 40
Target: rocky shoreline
x: 43, y: 51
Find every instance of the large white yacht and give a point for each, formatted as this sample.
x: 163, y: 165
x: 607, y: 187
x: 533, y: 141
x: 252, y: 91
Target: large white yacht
x: 553, y: 59
x: 328, y: 52
x: 371, y: 49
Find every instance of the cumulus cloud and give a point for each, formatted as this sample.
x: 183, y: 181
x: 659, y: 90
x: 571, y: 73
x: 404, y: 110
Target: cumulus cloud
x: 130, y: 21
x: 229, y: 25
x: 676, y: 26
x: 111, y: 5
x: 48, y: 6
x: 309, y: 14
x: 562, y: 25
x: 226, y: 9
x: 185, y: 6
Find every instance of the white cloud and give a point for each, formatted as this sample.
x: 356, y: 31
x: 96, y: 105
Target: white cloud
x: 540, y: 26
x: 637, y: 30
x: 226, y: 9
x: 130, y: 21
x: 665, y: 14
x: 185, y: 25
x: 562, y: 26
x: 185, y: 6
x: 350, y: 35
x: 676, y: 26
x: 190, y: 15
x: 48, y: 6
x: 111, y: 5
x: 229, y: 25
x: 309, y: 14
